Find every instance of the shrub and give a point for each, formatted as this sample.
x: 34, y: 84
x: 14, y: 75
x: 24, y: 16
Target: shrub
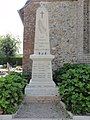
x: 3, y: 60
x: 74, y: 87
x: 14, y: 61
x: 26, y: 76
x: 57, y: 76
x: 11, y: 92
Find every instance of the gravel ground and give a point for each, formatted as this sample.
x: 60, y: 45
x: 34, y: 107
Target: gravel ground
x: 48, y: 110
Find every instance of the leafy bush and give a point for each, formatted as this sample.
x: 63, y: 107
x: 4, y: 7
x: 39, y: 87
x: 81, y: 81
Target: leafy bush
x: 12, y: 60
x: 57, y: 76
x: 11, y: 92
x: 74, y: 87
x: 3, y: 60
x: 26, y: 76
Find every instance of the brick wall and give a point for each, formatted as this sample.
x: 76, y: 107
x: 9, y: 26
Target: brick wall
x: 69, y: 33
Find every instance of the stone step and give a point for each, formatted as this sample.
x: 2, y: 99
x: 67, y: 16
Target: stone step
x: 9, y: 117
x: 40, y: 119
x: 41, y: 89
x: 41, y: 99
x: 41, y: 110
x: 41, y: 92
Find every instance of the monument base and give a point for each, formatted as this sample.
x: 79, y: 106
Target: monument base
x: 41, y: 83
x: 41, y: 89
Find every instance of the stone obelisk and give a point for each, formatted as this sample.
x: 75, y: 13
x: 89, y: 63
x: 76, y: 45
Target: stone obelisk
x: 42, y: 101
x: 42, y: 82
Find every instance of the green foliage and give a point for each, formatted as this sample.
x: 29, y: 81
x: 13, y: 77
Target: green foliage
x: 19, y: 55
x: 27, y: 76
x: 13, y: 61
x: 74, y: 87
x: 58, y: 73
x: 8, y: 46
x: 11, y: 92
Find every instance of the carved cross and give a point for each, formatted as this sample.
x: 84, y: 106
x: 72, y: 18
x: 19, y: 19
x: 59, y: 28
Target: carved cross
x: 42, y: 13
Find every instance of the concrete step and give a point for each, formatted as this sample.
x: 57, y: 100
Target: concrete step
x: 40, y: 119
x: 41, y: 99
x: 9, y: 117
x: 41, y: 88
x: 44, y: 108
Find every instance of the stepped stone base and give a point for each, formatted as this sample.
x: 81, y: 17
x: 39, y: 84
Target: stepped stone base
x: 41, y: 89
x: 42, y: 108
x: 42, y: 101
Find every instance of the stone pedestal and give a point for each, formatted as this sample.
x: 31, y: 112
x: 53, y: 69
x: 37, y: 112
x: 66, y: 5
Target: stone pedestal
x: 41, y: 83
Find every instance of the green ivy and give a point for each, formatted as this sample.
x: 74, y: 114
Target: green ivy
x: 74, y: 87
x: 11, y: 92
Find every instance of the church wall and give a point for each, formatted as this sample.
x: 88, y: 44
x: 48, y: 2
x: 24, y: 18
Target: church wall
x: 89, y: 26
x: 69, y: 31
x: 29, y: 34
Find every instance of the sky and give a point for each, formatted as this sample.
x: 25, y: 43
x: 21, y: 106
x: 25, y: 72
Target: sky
x: 10, y: 21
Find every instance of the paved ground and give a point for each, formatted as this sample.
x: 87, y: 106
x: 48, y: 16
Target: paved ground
x: 40, y: 119
x: 48, y: 110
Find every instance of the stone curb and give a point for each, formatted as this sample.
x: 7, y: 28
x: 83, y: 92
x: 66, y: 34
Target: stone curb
x: 81, y: 117
x: 10, y: 117
x: 5, y: 117
x: 41, y: 119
